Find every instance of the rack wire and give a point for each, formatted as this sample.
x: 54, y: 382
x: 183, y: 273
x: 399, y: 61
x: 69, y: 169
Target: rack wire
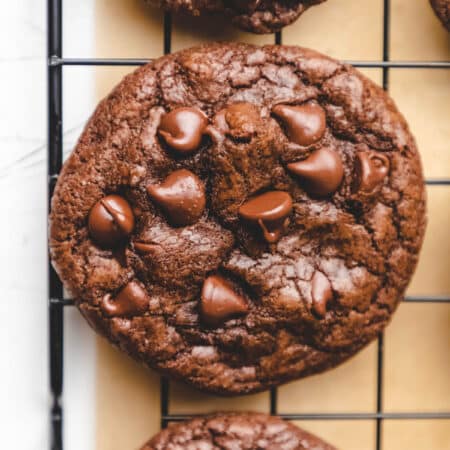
x: 57, y: 302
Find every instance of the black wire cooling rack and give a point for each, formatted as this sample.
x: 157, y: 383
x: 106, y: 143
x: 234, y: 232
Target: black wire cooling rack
x: 57, y: 302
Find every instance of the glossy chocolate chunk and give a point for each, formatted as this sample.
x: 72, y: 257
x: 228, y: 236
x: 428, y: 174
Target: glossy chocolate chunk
x: 370, y: 170
x: 182, y: 129
x: 110, y: 220
x: 270, y: 211
x: 304, y: 124
x: 219, y: 301
x: 321, y: 293
x: 182, y: 197
x: 129, y: 301
x: 321, y: 173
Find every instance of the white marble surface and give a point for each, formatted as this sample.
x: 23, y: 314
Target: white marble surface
x: 24, y: 391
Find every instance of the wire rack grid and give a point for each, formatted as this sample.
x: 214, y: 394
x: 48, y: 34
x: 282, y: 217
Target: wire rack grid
x: 57, y: 302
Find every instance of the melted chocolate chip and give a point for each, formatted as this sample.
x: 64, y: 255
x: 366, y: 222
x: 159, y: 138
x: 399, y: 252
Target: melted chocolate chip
x: 219, y: 301
x: 321, y: 173
x: 304, y: 124
x: 131, y: 300
x: 370, y: 170
x: 239, y: 121
x: 110, y: 220
x: 182, y: 197
x: 270, y: 211
x: 321, y: 293
x: 182, y: 129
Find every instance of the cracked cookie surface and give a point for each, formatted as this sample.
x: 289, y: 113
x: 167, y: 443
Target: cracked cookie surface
x: 257, y: 16
x: 229, y: 431
x: 237, y: 216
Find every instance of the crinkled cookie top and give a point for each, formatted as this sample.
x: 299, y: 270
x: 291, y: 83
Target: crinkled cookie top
x: 235, y: 431
x: 239, y: 216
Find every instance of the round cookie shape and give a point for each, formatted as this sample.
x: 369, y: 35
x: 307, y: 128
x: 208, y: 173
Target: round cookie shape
x: 236, y: 431
x: 253, y: 259
x: 256, y: 16
x: 442, y: 11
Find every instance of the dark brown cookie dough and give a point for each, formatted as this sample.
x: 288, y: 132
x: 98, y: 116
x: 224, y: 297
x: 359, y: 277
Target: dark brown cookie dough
x: 232, y: 431
x: 238, y: 216
x: 257, y: 16
x: 442, y: 10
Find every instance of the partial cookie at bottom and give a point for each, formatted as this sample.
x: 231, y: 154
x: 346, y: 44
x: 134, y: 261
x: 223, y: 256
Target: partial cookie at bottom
x: 232, y: 431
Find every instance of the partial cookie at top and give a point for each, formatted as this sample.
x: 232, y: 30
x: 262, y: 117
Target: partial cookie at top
x: 239, y: 216
x: 257, y: 16
x: 229, y: 431
x: 442, y: 10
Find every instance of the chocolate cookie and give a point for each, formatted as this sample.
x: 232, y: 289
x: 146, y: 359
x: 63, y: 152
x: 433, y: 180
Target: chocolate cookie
x: 244, y: 431
x: 442, y: 10
x: 257, y: 16
x: 239, y: 216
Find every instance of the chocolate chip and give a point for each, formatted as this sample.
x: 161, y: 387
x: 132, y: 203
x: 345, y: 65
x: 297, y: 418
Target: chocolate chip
x: 110, y: 220
x: 321, y: 173
x: 304, y: 124
x: 270, y: 211
x: 220, y: 302
x: 144, y: 248
x: 370, y: 170
x: 182, y: 197
x: 131, y: 300
x: 182, y: 129
x: 239, y: 120
x: 321, y: 293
